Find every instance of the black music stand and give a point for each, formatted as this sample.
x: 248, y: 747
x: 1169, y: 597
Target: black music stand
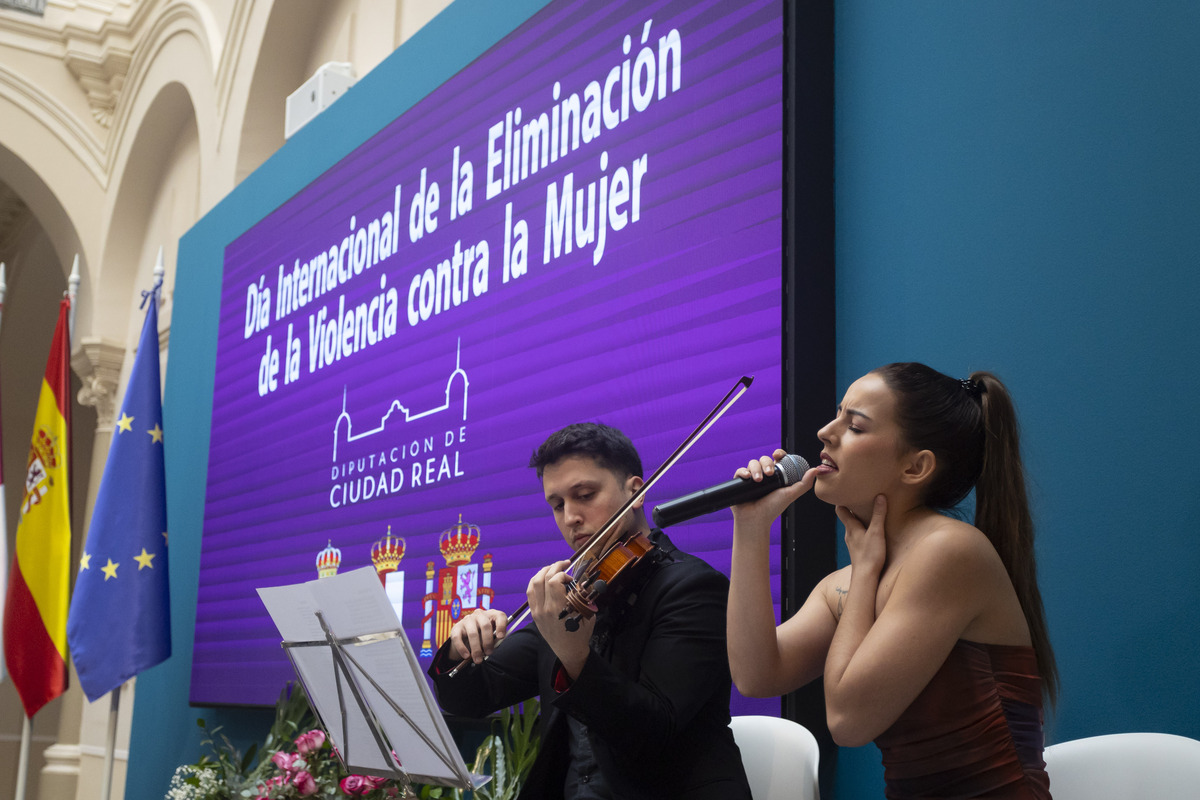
x: 364, y: 682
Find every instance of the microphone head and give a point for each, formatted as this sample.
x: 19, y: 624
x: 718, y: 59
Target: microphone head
x: 792, y: 467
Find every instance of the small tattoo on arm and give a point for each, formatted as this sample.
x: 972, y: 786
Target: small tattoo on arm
x: 841, y: 603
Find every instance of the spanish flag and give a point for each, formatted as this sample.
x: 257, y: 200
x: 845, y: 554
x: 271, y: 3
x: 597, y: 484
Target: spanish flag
x: 35, y: 609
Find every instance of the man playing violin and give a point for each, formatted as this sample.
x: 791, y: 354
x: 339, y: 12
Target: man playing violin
x: 635, y: 700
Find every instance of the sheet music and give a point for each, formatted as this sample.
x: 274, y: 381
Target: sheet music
x: 384, y: 673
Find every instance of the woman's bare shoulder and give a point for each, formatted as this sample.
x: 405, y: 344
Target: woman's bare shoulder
x: 956, y: 545
x: 957, y: 565
x: 964, y: 561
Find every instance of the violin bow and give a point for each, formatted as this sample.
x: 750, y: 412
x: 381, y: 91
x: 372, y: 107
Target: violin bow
x: 732, y: 396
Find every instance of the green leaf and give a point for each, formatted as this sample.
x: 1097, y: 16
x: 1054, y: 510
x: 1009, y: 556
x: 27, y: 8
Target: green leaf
x: 248, y: 759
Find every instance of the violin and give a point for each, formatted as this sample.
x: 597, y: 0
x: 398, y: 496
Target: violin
x: 605, y: 576
x: 593, y: 577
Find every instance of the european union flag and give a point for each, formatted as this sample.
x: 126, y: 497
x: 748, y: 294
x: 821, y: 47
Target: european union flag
x: 120, y: 618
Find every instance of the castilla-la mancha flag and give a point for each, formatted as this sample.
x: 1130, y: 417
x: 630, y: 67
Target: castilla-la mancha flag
x: 35, y: 608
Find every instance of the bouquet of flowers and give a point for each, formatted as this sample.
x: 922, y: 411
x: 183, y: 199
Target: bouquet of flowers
x: 298, y: 761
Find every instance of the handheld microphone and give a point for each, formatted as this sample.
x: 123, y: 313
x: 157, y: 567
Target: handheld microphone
x: 788, y: 470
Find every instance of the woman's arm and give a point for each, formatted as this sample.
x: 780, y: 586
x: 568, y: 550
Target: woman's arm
x: 764, y: 660
x: 878, y: 665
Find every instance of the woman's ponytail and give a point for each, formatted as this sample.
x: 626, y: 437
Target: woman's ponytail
x: 971, y: 428
x: 1002, y: 513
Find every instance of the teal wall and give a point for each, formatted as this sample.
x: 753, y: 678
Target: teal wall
x: 1017, y: 190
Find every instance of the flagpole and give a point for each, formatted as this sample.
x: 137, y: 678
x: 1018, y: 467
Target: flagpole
x: 110, y: 737
x: 26, y: 727
x: 23, y: 762
x: 159, y: 272
x: 110, y: 742
x: 72, y: 290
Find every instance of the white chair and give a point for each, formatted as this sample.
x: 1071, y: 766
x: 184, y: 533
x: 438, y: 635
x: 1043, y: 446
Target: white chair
x: 1128, y: 766
x: 780, y: 757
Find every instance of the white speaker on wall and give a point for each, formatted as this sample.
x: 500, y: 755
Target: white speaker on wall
x: 328, y: 83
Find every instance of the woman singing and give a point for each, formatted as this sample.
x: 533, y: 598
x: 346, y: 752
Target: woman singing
x: 933, y: 642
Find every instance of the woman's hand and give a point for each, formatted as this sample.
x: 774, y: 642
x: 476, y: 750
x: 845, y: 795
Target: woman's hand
x: 766, y: 661
x: 867, y: 543
x: 762, y: 512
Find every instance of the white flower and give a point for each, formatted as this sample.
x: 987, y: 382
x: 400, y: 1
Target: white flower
x: 207, y: 785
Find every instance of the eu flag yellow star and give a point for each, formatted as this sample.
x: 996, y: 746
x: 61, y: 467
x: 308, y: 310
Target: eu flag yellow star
x: 156, y: 433
x: 109, y: 569
x: 85, y: 561
x: 144, y: 560
x: 125, y: 423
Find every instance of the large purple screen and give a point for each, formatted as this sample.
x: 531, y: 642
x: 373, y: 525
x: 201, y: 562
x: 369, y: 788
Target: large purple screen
x: 584, y: 224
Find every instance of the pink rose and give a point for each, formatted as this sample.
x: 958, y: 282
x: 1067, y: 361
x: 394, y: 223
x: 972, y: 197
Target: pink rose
x: 310, y: 742
x: 304, y: 783
x: 264, y: 788
x: 283, y: 760
x: 354, y: 784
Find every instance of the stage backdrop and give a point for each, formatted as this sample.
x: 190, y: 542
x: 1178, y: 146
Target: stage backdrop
x: 585, y: 223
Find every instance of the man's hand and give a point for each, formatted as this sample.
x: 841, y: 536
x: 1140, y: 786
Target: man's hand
x: 547, y: 595
x: 476, y: 635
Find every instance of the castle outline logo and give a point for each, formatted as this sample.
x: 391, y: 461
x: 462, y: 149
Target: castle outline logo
x: 394, y: 456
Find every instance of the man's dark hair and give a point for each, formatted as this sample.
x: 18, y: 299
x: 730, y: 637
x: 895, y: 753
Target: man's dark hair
x: 608, y: 446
